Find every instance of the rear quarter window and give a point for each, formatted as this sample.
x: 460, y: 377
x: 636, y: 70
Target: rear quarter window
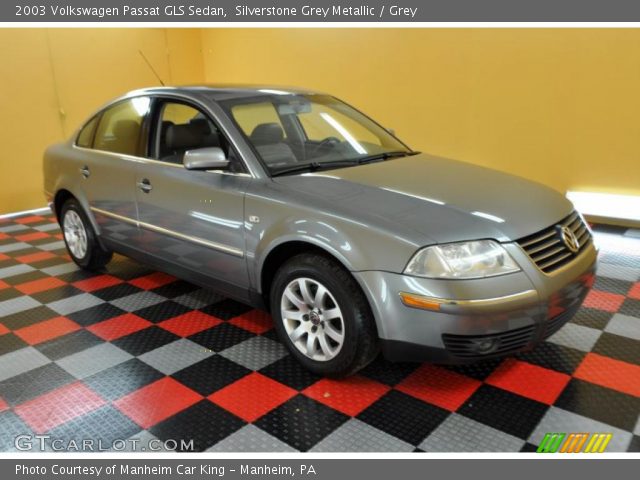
x: 85, y: 137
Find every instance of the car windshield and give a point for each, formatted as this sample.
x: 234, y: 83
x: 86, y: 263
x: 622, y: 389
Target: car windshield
x: 296, y: 133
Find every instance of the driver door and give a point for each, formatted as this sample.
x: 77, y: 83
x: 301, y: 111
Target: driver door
x: 193, y: 219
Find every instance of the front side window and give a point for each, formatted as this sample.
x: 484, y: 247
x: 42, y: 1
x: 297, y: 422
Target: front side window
x: 296, y: 132
x: 120, y: 127
x: 181, y: 127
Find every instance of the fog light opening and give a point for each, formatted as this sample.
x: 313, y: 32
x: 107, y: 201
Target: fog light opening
x: 486, y: 345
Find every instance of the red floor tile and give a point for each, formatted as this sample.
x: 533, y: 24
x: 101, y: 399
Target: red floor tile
x: 35, y: 257
x: 3, y: 285
x: 3, y: 236
x: 255, y: 321
x: 96, y: 283
x: 610, y: 373
x: 190, y: 323
x: 349, y: 396
x: 40, y: 285
x: 252, y: 396
x: 154, y: 280
x: 531, y: 381
x: 29, y: 237
x: 59, y: 406
x: 119, y: 326
x: 439, y: 386
x: 4, y: 257
x: 47, y: 330
x: 29, y: 219
x: 3, y: 405
x: 3, y: 329
x: 609, y: 302
x: 157, y: 401
x: 634, y: 292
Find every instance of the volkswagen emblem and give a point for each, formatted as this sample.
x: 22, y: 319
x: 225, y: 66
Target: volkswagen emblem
x: 569, y: 239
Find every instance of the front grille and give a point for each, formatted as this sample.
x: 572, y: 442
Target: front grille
x: 507, y: 342
x: 547, y: 249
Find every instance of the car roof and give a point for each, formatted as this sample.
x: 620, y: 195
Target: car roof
x: 225, y: 92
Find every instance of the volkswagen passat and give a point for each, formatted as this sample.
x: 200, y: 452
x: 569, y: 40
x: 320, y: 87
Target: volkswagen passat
x: 293, y: 201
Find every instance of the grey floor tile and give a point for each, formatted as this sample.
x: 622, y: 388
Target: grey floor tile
x: 93, y: 360
x: 138, y: 301
x: 61, y: 269
x: 75, y: 303
x: 576, y: 336
x: 20, y: 361
x: 624, y: 325
x: 461, y: 434
x: 175, y: 356
x: 12, y: 247
x: 7, y: 272
x: 357, y: 436
x: 16, y: 227
x: 563, y: 421
x: 52, y: 246
x: 618, y: 271
x: 255, y: 353
x: 18, y: 304
x: 198, y: 299
x: 251, y: 439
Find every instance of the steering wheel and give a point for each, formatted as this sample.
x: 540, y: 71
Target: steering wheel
x: 326, y: 144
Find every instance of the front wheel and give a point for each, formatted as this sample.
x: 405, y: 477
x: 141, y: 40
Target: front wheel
x: 322, y: 316
x: 81, y: 241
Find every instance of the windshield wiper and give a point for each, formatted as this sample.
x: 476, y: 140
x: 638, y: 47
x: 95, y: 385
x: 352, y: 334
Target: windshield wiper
x: 313, y: 167
x: 385, y: 156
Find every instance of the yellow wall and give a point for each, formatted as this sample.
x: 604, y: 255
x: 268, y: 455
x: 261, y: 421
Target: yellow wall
x: 561, y: 106
x: 51, y: 80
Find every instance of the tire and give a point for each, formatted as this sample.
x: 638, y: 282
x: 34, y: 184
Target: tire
x: 298, y: 320
x: 80, y: 238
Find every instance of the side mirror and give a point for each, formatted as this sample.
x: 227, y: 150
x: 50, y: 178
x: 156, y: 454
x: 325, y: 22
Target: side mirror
x: 210, y: 158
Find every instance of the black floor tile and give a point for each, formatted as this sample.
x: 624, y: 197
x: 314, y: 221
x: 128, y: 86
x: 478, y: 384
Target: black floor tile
x: 592, y: 318
x: 220, y: 337
x: 162, y: 311
x: 618, y: 347
x: 555, y: 357
x: 68, y: 344
x: 32, y: 384
x: 118, y: 381
x: 226, y: 309
x: 10, y: 343
x: 288, y: 371
x: 211, y: 374
x: 145, y: 340
x: 301, y: 422
x: 504, y: 411
x: 602, y: 404
x: 28, y: 317
x: 116, y: 291
x: 97, y: 314
x: 203, y: 423
x: 387, y: 372
x: 404, y: 416
x: 55, y: 294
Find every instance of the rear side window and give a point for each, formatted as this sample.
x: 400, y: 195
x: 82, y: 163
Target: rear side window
x: 252, y: 115
x: 85, y: 137
x: 121, y: 125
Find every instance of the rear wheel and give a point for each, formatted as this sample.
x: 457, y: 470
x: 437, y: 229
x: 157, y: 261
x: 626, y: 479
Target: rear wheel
x: 322, y: 316
x: 80, y: 239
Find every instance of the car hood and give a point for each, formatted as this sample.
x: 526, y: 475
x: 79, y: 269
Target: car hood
x: 444, y: 200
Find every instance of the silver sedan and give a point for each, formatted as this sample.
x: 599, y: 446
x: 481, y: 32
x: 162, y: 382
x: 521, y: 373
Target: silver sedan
x: 294, y: 201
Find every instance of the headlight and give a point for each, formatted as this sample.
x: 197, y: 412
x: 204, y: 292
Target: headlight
x: 482, y: 258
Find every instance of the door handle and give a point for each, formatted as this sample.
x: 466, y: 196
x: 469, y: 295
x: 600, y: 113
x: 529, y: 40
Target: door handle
x: 85, y: 171
x: 145, y: 186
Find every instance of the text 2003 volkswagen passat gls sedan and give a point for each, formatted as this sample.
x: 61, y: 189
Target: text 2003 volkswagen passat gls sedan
x: 296, y: 202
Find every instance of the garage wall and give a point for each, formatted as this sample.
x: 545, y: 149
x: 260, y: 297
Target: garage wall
x: 52, y: 79
x: 558, y: 106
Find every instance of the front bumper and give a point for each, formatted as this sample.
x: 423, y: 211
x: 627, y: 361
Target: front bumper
x: 476, y: 319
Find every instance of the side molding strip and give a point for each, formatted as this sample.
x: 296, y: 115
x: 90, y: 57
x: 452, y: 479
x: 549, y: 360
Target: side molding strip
x: 200, y: 241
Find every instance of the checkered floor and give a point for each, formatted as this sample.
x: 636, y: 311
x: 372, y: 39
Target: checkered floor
x: 133, y: 353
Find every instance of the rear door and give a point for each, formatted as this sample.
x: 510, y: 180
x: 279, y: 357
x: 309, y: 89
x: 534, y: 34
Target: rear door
x: 108, y: 166
x: 194, y: 219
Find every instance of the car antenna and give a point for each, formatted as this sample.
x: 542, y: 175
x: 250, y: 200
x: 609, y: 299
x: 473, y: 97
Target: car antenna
x: 151, y: 67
